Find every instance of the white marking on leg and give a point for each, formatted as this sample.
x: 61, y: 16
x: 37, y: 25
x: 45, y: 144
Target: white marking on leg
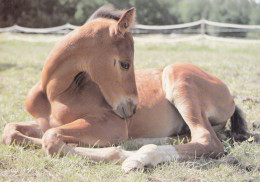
x: 150, y: 155
x: 124, y: 154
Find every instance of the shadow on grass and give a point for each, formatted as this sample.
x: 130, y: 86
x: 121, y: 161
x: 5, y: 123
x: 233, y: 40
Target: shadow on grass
x: 6, y: 66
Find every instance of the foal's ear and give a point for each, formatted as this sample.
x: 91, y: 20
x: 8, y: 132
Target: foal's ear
x: 125, y: 22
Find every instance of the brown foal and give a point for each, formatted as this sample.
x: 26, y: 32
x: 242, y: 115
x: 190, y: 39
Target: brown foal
x: 89, y: 94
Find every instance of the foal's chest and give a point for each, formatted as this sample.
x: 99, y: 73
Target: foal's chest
x: 78, y: 103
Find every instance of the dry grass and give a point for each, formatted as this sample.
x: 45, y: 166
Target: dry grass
x: 236, y: 64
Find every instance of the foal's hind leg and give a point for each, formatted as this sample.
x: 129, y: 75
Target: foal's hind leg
x: 204, y: 142
x: 27, y: 132
x: 184, y: 96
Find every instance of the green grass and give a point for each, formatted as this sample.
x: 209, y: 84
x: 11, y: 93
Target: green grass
x: 238, y: 65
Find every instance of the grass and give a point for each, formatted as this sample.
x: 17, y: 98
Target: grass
x: 238, y: 65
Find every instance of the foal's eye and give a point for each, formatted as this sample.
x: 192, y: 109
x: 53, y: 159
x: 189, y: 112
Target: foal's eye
x: 124, y: 65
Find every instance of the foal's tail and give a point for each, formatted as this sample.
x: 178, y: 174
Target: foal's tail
x: 239, y: 130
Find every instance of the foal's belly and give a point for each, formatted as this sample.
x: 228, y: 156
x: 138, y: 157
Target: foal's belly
x: 155, y: 116
x: 161, y: 120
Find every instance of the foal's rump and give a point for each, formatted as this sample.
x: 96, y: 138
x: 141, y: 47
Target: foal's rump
x: 198, y: 86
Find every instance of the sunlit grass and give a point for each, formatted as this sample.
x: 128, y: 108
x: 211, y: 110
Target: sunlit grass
x: 237, y: 65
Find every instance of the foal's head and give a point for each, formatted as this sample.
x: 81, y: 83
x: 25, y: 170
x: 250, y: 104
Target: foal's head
x: 111, y: 55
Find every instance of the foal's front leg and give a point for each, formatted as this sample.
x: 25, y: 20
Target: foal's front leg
x: 27, y: 132
x: 103, y: 134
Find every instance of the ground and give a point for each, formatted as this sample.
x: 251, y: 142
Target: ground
x: 238, y: 65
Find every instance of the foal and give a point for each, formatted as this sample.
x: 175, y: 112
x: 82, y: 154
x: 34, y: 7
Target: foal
x: 89, y: 94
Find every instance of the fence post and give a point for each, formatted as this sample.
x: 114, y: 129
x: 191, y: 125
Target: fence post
x: 202, y: 28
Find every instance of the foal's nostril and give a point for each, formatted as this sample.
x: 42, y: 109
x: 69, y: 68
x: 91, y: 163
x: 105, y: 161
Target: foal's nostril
x: 134, y: 111
x: 124, y: 113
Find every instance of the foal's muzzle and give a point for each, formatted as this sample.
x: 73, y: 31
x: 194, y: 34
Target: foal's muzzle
x: 126, y: 109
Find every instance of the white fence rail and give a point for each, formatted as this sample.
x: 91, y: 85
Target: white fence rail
x: 146, y: 29
x: 168, y: 27
x: 69, y: 26
x: 230, y: 25
x: 58, y: 29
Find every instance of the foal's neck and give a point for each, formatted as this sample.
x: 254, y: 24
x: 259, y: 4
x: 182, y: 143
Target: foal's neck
x: 64, y: 62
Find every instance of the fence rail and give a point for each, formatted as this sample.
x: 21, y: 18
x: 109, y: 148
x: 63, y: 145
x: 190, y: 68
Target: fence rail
x: 217, y: 27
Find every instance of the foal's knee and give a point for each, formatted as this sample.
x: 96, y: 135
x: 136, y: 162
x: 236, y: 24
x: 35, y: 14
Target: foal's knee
x: 51, y: 142
x: 10, y: 134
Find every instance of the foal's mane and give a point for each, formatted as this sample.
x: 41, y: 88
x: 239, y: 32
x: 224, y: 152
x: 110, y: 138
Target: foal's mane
x: 106, y: 12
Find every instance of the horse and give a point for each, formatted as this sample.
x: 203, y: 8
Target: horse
x: 90, y: 95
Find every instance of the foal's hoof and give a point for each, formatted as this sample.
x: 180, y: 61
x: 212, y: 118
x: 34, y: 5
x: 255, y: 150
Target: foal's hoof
x: 130, y: 165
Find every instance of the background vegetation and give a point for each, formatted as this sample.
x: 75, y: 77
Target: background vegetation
x: 48, y: 13
x: 237, y: 65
